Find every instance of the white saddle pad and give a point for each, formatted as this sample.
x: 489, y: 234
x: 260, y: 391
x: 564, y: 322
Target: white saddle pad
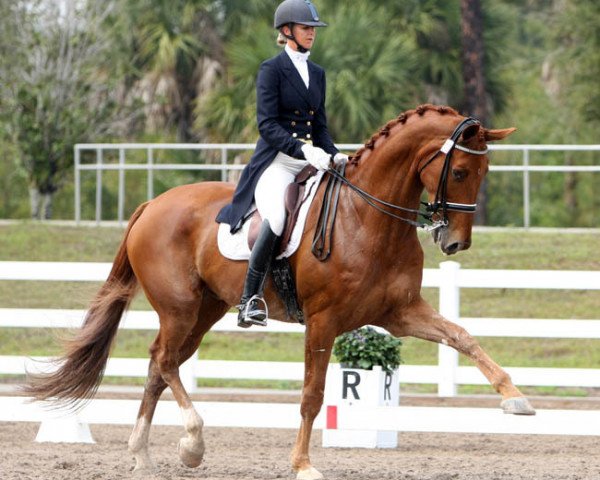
x: 235, y: 247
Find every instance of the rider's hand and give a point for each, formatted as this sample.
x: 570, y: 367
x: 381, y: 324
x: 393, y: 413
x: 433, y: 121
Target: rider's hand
x: 340, y: 158
x: 316, y: 156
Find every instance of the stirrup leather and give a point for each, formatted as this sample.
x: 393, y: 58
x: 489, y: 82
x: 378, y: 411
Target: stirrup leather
x: 245, y: 320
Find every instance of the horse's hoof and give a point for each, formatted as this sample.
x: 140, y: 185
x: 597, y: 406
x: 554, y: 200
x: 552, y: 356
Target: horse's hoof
x: 309, y: 474
x: 190, y: 452
x: 144, y: 467
x: 517, y: 406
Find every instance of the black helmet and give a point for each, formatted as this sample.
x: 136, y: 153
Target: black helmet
x: 297, y: 11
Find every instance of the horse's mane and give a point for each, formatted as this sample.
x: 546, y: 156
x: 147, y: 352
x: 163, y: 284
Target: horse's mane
x: 402, y: 118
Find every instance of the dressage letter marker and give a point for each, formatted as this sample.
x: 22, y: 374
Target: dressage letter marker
x: 357, y: 388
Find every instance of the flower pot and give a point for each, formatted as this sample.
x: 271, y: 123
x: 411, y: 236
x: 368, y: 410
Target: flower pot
x: 357, y: 387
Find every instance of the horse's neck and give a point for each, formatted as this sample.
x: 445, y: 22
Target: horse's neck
x: 389, y: 174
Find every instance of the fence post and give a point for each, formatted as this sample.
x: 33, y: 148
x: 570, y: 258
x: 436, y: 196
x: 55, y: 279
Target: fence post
x: 77, y: 185
x: 121, y: 198
x: 224, y: 164
x: 99, y: 161
x: 150, y: 162
x: 449, y: 308
x: 526, y: 188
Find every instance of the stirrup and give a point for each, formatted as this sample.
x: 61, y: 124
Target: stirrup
x: 245, y: 320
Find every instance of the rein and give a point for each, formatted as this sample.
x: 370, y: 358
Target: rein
x: 321, y: 246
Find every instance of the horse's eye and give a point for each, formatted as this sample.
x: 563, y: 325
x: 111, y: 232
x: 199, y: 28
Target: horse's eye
x: 459, y: 174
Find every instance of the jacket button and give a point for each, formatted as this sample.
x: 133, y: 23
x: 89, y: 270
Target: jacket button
x: 297, y: 112
x: 308, y: 123
x: 308, y: 135
x: 293, y: 124
x: 294, y: 134
x: 312, y: 112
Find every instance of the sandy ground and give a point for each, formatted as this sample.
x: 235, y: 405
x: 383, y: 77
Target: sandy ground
x: 244, y: 454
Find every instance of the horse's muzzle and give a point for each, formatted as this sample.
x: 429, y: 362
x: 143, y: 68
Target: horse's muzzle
x: 447, y: 242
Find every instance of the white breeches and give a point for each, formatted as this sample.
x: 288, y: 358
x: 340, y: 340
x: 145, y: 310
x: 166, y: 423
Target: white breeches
x: 270, y: 189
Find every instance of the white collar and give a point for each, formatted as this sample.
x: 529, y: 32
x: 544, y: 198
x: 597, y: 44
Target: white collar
x: 295, y: 55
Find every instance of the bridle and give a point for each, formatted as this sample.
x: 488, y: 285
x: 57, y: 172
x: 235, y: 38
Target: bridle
x: 322, y: 241
x: 441, y: 197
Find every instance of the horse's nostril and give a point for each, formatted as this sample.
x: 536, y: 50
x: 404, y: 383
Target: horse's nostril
x: 453, y: 248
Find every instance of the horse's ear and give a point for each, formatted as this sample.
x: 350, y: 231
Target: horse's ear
x: 492, y: 135
x: 470, y: 132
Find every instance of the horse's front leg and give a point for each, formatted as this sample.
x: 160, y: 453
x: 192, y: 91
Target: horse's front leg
x: 317, y: 351
x: 420, y: 320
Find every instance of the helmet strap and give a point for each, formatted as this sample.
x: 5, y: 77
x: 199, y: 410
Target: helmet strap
x: 291, y: 37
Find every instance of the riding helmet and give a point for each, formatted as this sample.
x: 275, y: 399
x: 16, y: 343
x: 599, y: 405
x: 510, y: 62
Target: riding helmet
x: 297, y: 11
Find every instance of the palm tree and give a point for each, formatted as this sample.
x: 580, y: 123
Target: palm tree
x: 175, y: 45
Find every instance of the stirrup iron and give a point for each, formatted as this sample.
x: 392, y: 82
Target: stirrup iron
x: 244, y: 320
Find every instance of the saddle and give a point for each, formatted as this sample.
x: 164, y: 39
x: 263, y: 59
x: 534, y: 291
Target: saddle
x: 294, y: 198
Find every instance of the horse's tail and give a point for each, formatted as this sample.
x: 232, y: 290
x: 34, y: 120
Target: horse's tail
x: 81, y: 368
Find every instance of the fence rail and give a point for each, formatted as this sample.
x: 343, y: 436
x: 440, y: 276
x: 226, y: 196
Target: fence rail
x: 150, y: 166
x: 447, y: 374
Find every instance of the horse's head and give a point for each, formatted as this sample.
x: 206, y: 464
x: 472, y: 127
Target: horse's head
x: 452, y: 172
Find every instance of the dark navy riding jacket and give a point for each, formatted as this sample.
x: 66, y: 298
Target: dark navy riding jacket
x: 287, y: 113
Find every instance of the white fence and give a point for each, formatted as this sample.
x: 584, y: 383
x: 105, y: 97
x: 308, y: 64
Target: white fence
x: 449, y: 279
x: 447, y: 374
x: 150, y: 166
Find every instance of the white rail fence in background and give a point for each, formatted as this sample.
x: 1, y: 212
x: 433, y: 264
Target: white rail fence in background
x: 447, y: 374
x: 61, y: 426
x: 223, y: 149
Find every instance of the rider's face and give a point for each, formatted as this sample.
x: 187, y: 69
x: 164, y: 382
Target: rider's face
x: 304, y: 35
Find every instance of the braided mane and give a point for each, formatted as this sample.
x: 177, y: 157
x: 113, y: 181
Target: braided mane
x: 402, y: 118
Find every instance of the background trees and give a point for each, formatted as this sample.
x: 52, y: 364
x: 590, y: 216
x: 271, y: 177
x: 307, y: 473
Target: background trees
x: 184, y: 70
x: 57, y: 90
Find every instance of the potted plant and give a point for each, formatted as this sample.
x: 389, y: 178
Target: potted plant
x: 366, y: 347
x: 367, y: 375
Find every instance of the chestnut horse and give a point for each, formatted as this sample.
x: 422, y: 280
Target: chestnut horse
x: 373, y: 275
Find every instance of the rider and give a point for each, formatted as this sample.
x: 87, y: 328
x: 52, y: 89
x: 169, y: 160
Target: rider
x: 290, y: 93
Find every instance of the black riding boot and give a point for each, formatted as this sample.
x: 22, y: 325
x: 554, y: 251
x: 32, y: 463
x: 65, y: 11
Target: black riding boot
x: 253, y: 309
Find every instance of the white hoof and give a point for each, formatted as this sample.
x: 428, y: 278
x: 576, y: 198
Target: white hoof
x: 309, y: 474
x: 190, y: 452
x: 143, y: 464
x: 517, y: 406
x: 145, y: 471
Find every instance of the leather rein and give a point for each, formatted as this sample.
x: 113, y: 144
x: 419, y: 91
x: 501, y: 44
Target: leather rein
x: 322, y: 241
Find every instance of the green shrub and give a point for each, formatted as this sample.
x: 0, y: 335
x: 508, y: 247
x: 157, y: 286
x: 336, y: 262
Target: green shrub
x: 366, y: 348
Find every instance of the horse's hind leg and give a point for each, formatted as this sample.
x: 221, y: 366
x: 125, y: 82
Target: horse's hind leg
x: 191, y: 448
x: 420, y: 320
x: 138, y: 441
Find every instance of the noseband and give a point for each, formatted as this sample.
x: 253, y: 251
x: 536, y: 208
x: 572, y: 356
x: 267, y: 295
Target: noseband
x: 440, y: 202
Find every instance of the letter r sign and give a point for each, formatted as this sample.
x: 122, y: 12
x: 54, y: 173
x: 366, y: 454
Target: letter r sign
x: 350, y: 381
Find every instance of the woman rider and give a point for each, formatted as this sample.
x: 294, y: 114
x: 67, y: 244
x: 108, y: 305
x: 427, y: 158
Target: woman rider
x: 292, y: 123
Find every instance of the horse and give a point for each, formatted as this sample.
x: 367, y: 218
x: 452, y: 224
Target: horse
x: 372, y: 276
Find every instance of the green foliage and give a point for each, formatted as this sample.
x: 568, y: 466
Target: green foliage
x: 366, y: 347
x: 578, y: 57
x: 160, y: 70
x: 59, y: 92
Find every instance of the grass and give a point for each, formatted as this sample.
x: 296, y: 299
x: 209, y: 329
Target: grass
x: 517, y: 249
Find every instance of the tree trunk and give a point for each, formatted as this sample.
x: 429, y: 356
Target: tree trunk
x: 474, y: 102
x: 34, y: 203
x: 40, y: 204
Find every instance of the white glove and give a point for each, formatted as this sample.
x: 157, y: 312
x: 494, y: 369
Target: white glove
x: 340, y: 158
x: 316, y: 156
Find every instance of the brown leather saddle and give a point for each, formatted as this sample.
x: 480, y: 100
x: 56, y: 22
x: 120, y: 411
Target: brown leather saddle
x: 294, y: 199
